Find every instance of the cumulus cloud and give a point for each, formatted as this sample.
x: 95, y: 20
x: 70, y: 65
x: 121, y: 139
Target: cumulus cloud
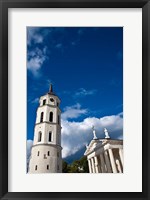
x: 76, y: 134
x: 36, y: 58
x: 36, y: 100
x: 72, y: 112
x: 58, y: 46
x: 83, y: 92
x: 33, y: 35
x: 81, y: 31
x: 29, y: 146
x: 74, y: 43
x: 37, y: 55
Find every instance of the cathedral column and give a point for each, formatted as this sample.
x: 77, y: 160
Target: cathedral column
x: 102, y: 163
x: 121, y: 155
x: 93, y: 167
x: 96, y: 164
x: 113, y: 164
x: 90, y: 166
x: 118, y: 166
x: 107, y: 162
x: 99, y: 167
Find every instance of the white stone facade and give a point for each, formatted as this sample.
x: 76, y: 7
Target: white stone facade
x: 105, y: 156
x: 46, y: 156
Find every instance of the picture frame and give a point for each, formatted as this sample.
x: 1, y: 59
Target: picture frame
x: 4, y: 108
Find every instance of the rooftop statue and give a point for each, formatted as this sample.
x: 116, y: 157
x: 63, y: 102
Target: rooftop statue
x: 94, y: 133
x: 106, y: 134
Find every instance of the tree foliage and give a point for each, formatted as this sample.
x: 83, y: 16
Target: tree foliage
x: 78, y: 166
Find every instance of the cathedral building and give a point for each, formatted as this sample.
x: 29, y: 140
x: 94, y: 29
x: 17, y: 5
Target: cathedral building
x: 46, y: 155
x: 105, y: 155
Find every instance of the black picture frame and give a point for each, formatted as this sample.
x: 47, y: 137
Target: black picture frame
x: 4, y: 6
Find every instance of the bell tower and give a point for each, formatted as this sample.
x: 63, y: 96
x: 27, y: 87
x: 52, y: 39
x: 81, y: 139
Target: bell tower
x: 46, y: 154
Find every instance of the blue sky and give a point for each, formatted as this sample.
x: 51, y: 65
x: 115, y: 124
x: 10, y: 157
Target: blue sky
x: 85, y: 66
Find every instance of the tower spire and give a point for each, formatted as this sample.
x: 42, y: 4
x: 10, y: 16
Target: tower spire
x: 51, y: 88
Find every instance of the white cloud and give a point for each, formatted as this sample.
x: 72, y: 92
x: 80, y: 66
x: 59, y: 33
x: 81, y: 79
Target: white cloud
x: 80, y: 31
x: 29, y: 146
x: 83, y: 92
x: 76, y: 134
x: 36, y: 100
x: 74, y: 43
x: 72, y: 112
x: 59, y: 45
x: 36, y: 58
x: 34, y: 36
x: 120, y: 114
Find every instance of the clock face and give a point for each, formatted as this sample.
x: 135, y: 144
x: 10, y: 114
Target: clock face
x: 51, y: 99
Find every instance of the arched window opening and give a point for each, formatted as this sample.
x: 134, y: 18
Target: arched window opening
x: 39, y: 136
x: 48, y: 153
x: 35, y: 167
x: 44, y: 101
x: 47, y: 167
x: 51, y: 116
x: 38, y: 153
x: 50, y: 136
x: 42, y: 115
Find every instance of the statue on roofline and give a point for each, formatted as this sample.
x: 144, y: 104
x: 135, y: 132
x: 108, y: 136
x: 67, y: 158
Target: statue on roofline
x: 106, y: 134
x: 94, y: 133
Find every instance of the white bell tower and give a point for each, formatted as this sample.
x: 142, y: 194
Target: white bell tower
x: 46, y: 154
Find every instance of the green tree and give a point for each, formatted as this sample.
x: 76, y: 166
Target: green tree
x: 64, y: 167
x: 84, y: 164
x: 78, y: 166
x: 75, y: 167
